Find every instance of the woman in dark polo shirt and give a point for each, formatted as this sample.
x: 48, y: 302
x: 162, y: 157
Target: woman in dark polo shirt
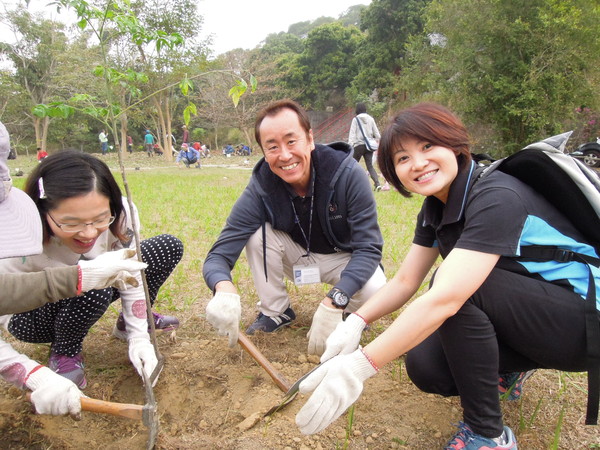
x: 487, y: 315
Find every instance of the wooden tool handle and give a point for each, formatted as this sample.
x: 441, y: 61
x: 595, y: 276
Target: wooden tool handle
x: 278, y: 378
x: 127, y: 410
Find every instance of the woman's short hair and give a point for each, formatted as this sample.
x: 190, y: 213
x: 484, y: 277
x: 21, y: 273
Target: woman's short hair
x: 360, y: 108
x: 429, y: 122
x: 70, y: 173
x: 274, y: 108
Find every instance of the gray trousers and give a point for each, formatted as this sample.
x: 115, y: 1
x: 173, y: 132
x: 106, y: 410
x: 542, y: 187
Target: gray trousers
x: 282, y: 254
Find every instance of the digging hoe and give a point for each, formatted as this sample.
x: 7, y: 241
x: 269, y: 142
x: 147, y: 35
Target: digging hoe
x: 147, y: 413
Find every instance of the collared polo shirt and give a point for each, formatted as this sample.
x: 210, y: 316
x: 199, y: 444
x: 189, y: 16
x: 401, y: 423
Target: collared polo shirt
x: 498, y: 214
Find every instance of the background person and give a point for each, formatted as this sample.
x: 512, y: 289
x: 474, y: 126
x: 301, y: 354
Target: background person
x: 488, y: 316
x: 357, y: 140
x: 185, y: 138
x: 83, y: 216
x: 188, y: 155
x: 129, y: 144
x: 41, y: 154
x: 103, y: 138
x: 307, y: 214
x: 149, y: 143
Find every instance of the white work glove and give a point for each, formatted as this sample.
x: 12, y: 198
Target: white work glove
x: 143, y: 357
x: 224, y: 312
x: 345, y: 338
x: 116, y: 269
x: 336, y: 385
x: 324, y: 322
x: 54, y: 394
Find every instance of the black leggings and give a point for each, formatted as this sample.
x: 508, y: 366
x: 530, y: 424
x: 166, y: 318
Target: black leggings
x: 361, y: 150
x: 511, y: 324
x: 66, y: 323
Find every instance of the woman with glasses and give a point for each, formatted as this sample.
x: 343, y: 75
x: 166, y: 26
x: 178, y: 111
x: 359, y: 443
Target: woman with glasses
x: 83, y: 216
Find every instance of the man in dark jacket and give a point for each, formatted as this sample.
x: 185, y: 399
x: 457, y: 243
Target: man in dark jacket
x: 307, y: 214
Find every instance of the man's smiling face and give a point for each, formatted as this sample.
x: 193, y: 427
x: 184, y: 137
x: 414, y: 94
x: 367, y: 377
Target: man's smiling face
x: 287, y: 148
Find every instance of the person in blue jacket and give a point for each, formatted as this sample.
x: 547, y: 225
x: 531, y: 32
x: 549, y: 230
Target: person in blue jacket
x: 188, y: 155
x: 307, y: 214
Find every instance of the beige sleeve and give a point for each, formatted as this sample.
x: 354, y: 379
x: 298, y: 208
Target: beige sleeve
x: 26, y: 291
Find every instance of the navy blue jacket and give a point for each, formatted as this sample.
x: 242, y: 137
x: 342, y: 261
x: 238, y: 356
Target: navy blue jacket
x: 346, y: 207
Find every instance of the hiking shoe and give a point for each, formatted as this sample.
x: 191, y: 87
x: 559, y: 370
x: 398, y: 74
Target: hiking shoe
x: 70, y: 367
x: 510, y: 385
x: 271, y: 324
x: 162, y: 324
x: 465, y: 439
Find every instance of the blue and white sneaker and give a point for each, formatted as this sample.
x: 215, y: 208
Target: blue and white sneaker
x: 269, y: 324
x: 466, y: 439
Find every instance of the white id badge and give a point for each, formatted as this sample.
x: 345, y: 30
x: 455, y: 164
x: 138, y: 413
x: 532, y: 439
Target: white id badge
x: 306, y: 274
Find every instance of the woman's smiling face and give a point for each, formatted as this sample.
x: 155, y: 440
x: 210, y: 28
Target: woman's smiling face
x: 425, y: 168
x: 83, y: 209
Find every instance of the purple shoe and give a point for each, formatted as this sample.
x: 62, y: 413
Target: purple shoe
x: 70, y: 367
x: 162, y: 324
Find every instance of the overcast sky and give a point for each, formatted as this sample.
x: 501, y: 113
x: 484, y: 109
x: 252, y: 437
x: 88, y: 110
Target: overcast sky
x: 245, y: 24
x: 235, y: 23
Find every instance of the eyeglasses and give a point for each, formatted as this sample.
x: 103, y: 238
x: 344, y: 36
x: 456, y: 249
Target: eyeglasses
x: 77, y: 227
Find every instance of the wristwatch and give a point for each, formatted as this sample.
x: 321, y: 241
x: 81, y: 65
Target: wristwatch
x: 338, y: 298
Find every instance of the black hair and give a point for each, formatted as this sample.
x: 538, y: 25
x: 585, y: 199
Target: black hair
x: 70, y: 173
x: 361, y: 108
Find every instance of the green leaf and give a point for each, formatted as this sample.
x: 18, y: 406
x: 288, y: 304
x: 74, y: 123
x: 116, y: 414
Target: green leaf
x: 98, y: 71
x: 188, y: 111
x: 186, y: 85
x: 40, y: 111
x: 253, y: 83
x: 237, y: 91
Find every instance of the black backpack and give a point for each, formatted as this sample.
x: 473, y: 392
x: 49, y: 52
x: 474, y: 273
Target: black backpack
x: 574, y: 190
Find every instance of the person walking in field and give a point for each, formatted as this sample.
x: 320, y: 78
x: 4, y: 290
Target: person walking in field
x: 363, y: 128
x: 149, y: 143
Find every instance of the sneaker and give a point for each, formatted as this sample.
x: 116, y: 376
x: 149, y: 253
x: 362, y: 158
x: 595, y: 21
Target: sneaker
x: 162, y: 324
x: 271, y: 324
x: 510, y: 385
x: 385, y: 187
x: 465, y: 439
x: 70, y: 367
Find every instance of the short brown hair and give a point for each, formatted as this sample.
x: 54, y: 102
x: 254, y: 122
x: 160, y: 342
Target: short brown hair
x: 428, y: 122
x: 274, y: 108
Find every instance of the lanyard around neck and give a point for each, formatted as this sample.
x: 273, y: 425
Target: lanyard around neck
x: 310, y: 219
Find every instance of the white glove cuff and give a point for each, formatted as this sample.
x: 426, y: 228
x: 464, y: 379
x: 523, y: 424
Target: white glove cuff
x: 228, y: 297
x: 364, y: 367
x: 331, y: 313
x: 132, y: 342
x: 39, y: 377
x: 356, y: 323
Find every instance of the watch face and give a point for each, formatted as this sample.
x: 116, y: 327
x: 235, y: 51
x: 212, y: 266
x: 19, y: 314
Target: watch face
x: 340, y: 299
